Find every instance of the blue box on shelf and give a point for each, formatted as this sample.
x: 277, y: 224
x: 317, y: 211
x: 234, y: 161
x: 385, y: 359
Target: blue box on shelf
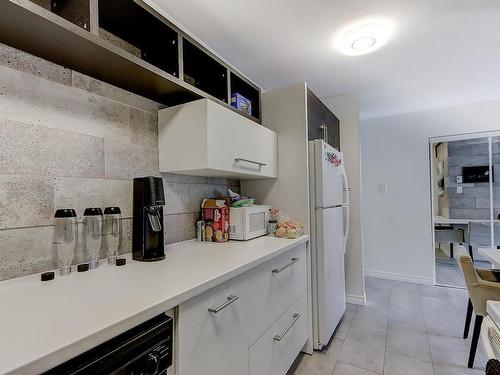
x: 241, y: 103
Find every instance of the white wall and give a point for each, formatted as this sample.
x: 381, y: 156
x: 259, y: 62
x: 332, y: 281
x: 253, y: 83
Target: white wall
x: 397, y: 233
x: 347, y: 110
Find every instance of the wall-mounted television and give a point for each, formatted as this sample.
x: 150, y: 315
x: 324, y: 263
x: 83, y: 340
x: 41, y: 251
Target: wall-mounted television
x: 475, y: 174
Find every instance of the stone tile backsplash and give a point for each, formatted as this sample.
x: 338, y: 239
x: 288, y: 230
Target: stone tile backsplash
x: 68, y: 140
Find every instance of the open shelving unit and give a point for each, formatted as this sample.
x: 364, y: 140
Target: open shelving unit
x: 126, y: 44
x: 133, y: 28
x: 243, y: 87
x: 204, y: 72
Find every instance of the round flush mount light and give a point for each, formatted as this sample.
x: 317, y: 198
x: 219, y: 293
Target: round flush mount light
x: 364, y: 36
x: 363, y: 43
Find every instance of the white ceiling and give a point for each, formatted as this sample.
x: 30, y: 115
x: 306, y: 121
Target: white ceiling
x: 444, y: 52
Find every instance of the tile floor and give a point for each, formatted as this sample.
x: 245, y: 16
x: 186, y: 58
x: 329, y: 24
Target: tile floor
x: 405, y: 329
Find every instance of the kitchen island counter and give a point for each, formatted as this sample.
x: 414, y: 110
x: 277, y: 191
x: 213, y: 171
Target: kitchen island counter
x: 43, y: 324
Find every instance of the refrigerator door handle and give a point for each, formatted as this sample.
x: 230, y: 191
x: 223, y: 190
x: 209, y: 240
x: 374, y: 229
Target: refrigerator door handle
x: 346, y: 207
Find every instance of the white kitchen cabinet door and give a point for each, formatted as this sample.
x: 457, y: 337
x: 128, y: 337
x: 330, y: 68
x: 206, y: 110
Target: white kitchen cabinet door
x: 243, y: 146
x: 275, y: 286
x: 206, y: 139
x: 213, y: 332
x: 276, y: 350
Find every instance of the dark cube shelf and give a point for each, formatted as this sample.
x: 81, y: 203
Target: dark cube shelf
x: 126, y: 44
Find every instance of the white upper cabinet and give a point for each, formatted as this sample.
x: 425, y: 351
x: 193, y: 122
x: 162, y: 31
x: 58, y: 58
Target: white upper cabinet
x: 203, y: 138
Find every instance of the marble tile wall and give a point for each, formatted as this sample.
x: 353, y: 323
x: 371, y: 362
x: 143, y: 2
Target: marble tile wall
x: 474, y: 201
x: 68, y: 140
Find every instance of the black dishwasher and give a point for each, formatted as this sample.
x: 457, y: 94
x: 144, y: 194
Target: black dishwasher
x: 143, y: 350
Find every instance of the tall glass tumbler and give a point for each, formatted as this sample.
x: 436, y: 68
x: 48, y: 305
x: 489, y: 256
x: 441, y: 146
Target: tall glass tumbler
x: 92, y: 235
x: 112, y: 232
x: 65, y: 239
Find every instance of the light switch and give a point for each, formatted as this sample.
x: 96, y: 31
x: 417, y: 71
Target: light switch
x: 460, y: 189
x: 383, y: 188
x: 459, y: 179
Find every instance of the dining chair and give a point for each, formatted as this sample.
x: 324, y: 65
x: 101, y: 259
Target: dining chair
x: 483, y: 285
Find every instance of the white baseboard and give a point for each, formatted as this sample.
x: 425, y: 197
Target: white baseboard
x: 399, y: 277
x: 356, y: 299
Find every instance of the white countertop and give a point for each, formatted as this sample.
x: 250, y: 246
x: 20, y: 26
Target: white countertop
x: 43, y: 324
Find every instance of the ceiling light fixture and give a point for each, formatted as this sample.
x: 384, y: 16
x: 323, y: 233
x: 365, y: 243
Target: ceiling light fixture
x: 364, y: 36
x: 363, y: 43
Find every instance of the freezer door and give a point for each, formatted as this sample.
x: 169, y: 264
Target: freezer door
x: 328, y: 175
x: 331, y: 302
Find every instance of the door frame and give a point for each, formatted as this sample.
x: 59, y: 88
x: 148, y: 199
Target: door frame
x: 450, y: 138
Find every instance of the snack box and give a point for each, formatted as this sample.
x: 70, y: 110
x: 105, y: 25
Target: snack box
x: 215, y: 213
x: 241, y: 103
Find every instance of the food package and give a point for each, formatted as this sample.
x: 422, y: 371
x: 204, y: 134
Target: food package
x: 238, y: 200
x: 241, y: 103
x: 215, y: 214
x: 285, y: 228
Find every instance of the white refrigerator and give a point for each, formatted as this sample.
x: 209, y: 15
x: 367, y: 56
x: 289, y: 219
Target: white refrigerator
x: 329, y: 199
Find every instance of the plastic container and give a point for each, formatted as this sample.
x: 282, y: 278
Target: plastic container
x: 65, y: 239
x: 112, y: 232
x: 92, y: 235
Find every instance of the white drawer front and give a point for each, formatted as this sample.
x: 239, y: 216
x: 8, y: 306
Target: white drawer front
x: 272, y: 292
x: 215, y: 342
x: 275, y: 351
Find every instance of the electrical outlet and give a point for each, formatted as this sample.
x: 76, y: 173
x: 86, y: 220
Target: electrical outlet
x: 460, y: 189
x: 459, y: 179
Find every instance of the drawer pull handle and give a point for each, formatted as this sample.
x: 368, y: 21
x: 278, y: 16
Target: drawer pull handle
x: 278, y: 270
x: 259, y: 163
x: 229, y: 301
x: 280, y: 337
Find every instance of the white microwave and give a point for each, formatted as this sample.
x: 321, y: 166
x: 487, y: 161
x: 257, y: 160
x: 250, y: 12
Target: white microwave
x: 246, y: 223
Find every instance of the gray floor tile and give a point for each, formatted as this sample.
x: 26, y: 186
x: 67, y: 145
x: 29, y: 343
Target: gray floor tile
x: 407, y: 311
x: 396, y: 364
x: 342, y: 368
x: 459, y: 299
x: 371, y: 317
x: 455, y: 342
x: 433, y: 291
x: 454, y: 362
x: 319, y: 363
x: 344, y: 325
x: 444, y: 325
x: 409, y: 341
x: 378, y: 298
x: 364, y: 348
x: 405, y: 291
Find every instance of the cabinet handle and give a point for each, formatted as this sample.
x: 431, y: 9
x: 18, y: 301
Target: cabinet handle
x: 251, y: 161
x: 278, y: 270
x: 229, y: 301
x: 280, y: 337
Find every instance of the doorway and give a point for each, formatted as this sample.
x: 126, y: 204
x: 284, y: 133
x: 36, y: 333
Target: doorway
x: 465, y: 179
